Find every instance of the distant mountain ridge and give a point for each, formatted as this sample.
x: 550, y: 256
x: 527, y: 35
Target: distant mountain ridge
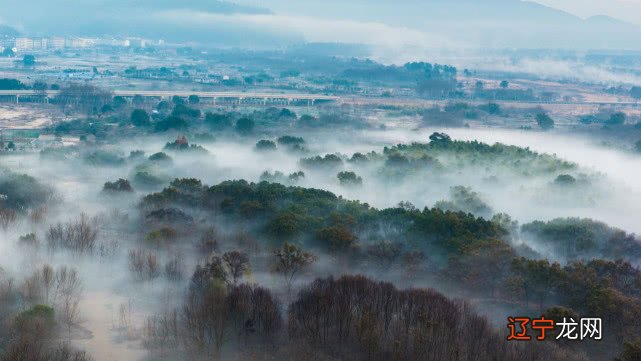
x: 6, y: 30
x: 482, y: 23
x: 213, y: 6
x: 477, y: 24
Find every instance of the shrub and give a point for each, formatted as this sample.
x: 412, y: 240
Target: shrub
x: 140, y: 118
x: 160, y: 157
x: 121, y: 185
x: 290, y: 140
x: 349, y: 179
x: 544, y: 121
x: 265, y: 145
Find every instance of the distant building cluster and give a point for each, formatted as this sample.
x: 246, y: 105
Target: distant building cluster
x: 22, y: 44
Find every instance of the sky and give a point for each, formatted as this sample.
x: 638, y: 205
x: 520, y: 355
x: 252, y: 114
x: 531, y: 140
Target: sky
x: 399, y: 30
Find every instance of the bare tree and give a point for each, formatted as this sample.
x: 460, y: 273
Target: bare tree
x: 78, y: 236
x: 205, y: 315
x: 254, y: 311
x: 38, y: 215
x: 82, y: 234
x: 162, y: 332
x: 144, y: 265
x: 237, y: 264
x: 385, y: 254
x: 412, y: 262
x: 70, y: 312
x: 290, y: 261
x: 153, y: 266
x: 64, y: 352
x: 67, y: 283
x: 68, y: 292
x: 246, y: 242
x: 208, y: 242
x: 32, y: 287
x: 174, y: 268
x: 47, y: 276
x: 6, y: 288
x: 124, y: 319
x: 7, y: 217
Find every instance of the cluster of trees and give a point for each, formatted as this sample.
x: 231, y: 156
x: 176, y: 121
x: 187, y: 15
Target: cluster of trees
x: 327, y: 162
x: 609, y: 289
x: 37, y: 312
x: 354, y: 318
x: 350, y: 318
x: 544, y: 121
x: 145, y: 265
x: 181, y: 144
x: 443, y: 155
x: 83, y: 97
x: 604, y: 118
x: 472, y: 255
x: 280, y: 177
x: 21, y: 192
x: 324, y: 220
x: 15, y: 84
x: 218, y: 309
x: 454, y: 114
x: 11, y: 84
x: 504, y: 93
x: 79, y: 235
x: 464, y: 199
x: 432, y: 80
x: 121, y: 185
x: 110, y: 116
x: 575, y: 239
x: 103, y: 158
x: 453, y: 153
x: 409, y: 72
x: 265, y: 145
x: 162, y: 72
x: 349, y: 179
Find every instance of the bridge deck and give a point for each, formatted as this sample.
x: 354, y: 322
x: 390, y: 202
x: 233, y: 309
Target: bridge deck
x: 184, y: 93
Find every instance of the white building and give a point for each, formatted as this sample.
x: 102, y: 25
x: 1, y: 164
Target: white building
x: 137, y: 43
x: 23, y: 44
x: 79, y: 42
x: 56, y: 43
x: 120, y: 42
x: 40, y: 44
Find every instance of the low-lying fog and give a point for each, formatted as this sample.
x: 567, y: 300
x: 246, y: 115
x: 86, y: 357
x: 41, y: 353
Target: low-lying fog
x: 79, y: 185
x: 622, y: 171
x: 611, y: 197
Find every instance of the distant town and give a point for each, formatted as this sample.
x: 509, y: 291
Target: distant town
x: 17, y: 45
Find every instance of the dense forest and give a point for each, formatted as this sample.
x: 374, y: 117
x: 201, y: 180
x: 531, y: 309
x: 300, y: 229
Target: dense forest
x: 255, y: 235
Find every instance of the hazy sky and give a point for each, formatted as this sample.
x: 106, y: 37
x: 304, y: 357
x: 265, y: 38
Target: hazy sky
x: 399, y: 30
x: 628, y: 10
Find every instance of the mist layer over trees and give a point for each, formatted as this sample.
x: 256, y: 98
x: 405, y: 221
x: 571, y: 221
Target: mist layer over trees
x: 180, y: 231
